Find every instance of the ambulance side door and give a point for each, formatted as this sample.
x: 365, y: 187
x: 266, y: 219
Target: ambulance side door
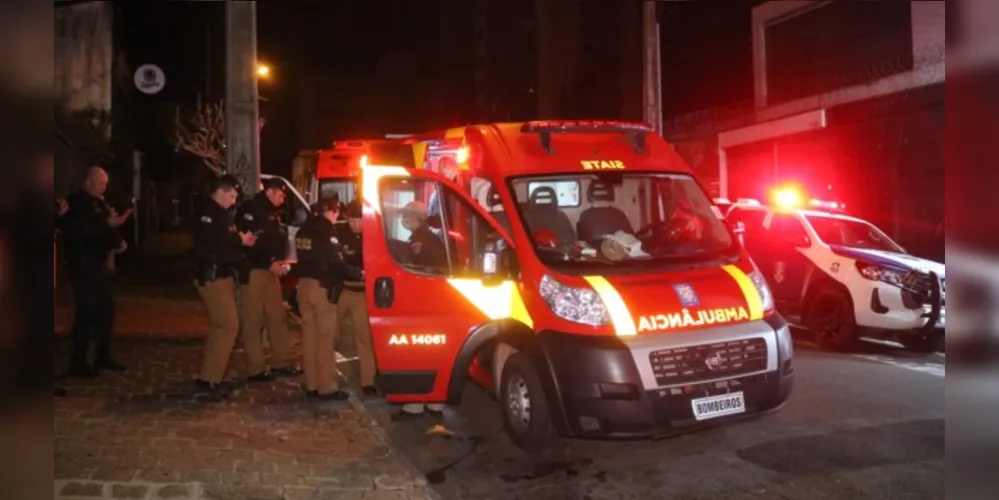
x: 421, y: 309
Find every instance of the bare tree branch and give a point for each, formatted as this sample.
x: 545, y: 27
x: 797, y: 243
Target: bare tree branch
x: 202, y: 132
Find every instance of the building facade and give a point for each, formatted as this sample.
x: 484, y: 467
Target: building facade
x: 848, y: 104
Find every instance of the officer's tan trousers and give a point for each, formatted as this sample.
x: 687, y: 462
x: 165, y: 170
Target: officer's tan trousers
x: 262, y: 302
x: 318, y: 336
x: 355, y: 306
x: 219, y: 297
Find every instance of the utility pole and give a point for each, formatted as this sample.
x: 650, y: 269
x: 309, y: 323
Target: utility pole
x: 242, y: 152
x: 653, y: 66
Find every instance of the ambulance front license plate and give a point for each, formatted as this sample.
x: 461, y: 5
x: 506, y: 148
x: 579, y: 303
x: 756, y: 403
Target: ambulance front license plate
x: 718, y: 406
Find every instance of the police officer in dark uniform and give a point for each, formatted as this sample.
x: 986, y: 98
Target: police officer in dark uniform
x: 320, y: 264
x: 218, y: 255
x: 91, y: 234
x: 261, y: 295
x: 350, y: 297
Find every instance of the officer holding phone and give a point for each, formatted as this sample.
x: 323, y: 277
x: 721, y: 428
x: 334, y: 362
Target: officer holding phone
x: 218, y: 254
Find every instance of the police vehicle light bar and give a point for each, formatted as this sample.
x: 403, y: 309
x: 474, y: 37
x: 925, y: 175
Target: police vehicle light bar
x: 828, y: 205
x: 636, y: 131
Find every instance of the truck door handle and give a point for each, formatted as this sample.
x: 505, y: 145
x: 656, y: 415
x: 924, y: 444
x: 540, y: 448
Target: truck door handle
x: 384, y: 293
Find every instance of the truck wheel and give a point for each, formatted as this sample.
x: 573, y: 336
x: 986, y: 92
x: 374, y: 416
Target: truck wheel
x: 921, y: 343
x: 830, y: 318
x: 525, y: 410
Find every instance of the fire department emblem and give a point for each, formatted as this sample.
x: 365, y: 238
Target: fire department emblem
x: 688, y: 298
x: 780, y: 272
x: 714, y: 361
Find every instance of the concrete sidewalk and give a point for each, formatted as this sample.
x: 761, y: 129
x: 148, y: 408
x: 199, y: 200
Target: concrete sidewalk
x: 146, y: 434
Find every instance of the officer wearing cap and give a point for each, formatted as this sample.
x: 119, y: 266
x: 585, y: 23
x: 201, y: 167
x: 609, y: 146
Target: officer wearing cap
x: 319, y: 264
x: 218, y: 254
x: 262, y: 300
x: 351, y: 301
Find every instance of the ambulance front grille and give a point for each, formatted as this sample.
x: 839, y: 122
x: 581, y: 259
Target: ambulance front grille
x: 689, y: 364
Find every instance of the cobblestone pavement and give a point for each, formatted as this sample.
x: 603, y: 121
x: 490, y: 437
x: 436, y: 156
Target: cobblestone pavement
x: 147, y: 434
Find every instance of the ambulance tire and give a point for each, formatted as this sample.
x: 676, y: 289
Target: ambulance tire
x: 520, y: 384
x: 830, y: 319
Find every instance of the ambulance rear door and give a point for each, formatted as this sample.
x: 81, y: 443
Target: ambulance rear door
x: 423, y: 306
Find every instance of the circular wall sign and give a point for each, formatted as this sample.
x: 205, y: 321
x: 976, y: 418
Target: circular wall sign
x: 149, y: 79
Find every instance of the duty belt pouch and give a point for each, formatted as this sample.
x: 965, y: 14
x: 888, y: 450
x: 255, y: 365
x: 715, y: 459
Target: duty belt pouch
x: 207, y: 274
x: 334, y: 292
x: 243, y: 272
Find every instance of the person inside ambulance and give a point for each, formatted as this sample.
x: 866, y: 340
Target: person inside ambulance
x: 425, y: 248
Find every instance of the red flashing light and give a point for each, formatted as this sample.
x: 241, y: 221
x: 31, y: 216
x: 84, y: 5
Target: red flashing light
x: 537, y: 125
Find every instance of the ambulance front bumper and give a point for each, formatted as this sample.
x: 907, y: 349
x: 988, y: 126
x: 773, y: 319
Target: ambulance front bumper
x: 660, y: 385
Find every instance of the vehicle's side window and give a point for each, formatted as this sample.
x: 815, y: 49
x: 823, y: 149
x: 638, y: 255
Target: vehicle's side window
x: 449, y: 243
x: 470, y: 235
x: 409, y: 231
x: 789, y: 229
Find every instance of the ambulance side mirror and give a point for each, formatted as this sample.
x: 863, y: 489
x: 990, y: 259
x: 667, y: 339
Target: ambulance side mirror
x: 498, y: 266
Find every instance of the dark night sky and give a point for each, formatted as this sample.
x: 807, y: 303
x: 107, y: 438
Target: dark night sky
x: 706, y: 48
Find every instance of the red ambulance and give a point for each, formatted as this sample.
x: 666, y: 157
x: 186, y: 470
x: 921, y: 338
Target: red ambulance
x: 584, y: 279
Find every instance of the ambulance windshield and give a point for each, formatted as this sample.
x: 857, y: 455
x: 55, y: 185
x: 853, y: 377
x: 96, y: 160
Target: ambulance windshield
x: 851, y: 233
x: 602, y: 219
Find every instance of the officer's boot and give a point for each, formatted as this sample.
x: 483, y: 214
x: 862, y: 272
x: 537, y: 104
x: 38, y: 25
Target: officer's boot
x: 104, y: 360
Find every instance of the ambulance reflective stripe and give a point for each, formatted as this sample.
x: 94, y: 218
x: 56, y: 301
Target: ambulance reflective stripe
x: 748, y: 290
x: 495, y: 302
x: 370, y: 177
x: 624, y: 324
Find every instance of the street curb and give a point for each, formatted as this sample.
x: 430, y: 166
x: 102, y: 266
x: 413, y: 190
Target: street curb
x: 382, y: 435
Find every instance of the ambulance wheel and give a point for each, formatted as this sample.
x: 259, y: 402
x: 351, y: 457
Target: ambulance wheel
x: 526, y: 417
x: 926, y: 344
x: 831, y: 321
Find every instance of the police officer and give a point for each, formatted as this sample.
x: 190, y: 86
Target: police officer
x: 351, y: 301
x: 91, y: 235
x: 319, y: 264
x: 262, y: 300
x: 218, y: 254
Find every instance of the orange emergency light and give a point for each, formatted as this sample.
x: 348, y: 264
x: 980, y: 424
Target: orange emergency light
x: 788, y: 197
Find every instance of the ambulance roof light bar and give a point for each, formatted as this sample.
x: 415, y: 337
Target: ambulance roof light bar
x: 748, y: 201
x: 636, y: 131
x: 348, y: 144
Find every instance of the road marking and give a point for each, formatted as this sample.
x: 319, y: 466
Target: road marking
x: 935, y: 369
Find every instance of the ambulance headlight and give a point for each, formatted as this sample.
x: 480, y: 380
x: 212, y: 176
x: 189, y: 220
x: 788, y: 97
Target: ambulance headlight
x: 766, y: 298
x: 579, y: 305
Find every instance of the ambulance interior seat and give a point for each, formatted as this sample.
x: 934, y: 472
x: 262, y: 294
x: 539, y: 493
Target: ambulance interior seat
x: 543, y: 213
x: 494, y: 205
x: 597, y: 221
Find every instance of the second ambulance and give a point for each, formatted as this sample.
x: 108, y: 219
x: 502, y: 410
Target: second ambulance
x: 581, y: 275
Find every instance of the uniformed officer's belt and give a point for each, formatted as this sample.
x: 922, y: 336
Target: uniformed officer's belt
x: 354, y: 286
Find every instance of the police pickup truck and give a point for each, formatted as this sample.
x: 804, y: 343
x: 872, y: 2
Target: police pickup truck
x: 841, y: 277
